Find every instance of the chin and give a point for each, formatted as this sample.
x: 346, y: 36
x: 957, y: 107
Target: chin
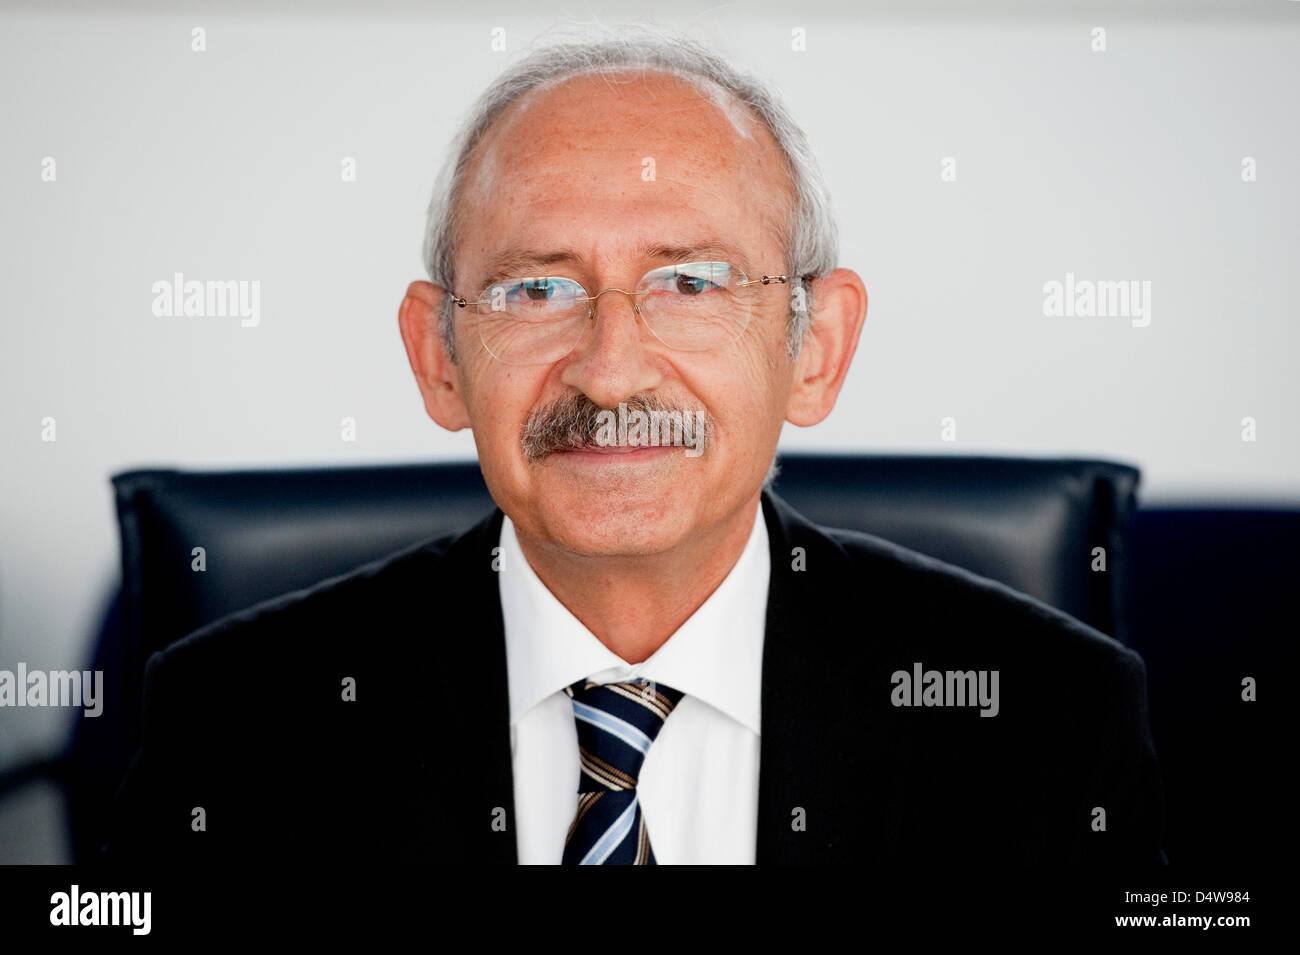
x: 614, y: 538
x: 634, y: 515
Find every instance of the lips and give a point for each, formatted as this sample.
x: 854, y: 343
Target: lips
x: 613, y: 449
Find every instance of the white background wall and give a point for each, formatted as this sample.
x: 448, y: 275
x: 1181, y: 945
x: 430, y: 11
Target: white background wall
x: 226, y: 165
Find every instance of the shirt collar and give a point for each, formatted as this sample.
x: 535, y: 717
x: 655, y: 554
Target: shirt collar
x: 716, y: 656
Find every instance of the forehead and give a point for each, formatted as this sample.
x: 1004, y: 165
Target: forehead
x: 609, y: 164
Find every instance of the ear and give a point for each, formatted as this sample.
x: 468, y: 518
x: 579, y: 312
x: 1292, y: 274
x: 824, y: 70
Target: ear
x: 435, y: 372
x: 839, y: 311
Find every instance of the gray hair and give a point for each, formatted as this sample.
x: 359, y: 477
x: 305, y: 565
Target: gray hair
x: 812, y: 239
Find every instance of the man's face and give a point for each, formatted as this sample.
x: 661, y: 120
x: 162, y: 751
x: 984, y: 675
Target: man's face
x: 563, y: 170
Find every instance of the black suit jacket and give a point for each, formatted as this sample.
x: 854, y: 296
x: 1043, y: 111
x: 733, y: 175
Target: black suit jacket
x: 250, y: 750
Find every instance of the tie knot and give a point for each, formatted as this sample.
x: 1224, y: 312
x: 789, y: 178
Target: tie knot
x: 616, y: 723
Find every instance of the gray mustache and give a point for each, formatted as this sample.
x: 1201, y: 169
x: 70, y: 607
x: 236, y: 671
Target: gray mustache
x: 570, y: 423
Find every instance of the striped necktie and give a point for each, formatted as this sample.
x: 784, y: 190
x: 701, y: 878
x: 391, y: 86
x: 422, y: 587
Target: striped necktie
x: 617, y: 722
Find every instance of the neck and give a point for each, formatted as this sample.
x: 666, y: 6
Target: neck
x: 633, y: 604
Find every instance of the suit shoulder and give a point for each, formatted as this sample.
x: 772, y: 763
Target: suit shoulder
x: 314, y: 621
x: 950, y: 599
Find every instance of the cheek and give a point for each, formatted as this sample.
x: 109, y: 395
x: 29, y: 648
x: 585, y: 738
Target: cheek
x: 760, y: 357
x: 499, y: 399
x: 744, y: 386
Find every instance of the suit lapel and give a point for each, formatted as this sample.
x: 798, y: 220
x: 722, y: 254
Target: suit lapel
x: 811, y: 806
x: 469, y: 769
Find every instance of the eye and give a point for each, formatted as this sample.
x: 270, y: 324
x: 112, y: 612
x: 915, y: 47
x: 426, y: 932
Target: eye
x: 537, y: 290
x: 692, y: 284
x: 545, y: 296
x: 694, y: 279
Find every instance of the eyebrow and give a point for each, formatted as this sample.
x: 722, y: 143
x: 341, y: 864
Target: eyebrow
x: 516, y: 261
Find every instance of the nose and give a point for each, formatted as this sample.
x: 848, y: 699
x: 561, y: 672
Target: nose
x: 612, y: 363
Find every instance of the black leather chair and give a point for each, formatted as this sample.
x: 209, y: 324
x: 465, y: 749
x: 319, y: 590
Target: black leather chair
x: 1032, y: 524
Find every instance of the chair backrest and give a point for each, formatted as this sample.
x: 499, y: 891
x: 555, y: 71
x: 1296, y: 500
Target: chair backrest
x: 1032, y: 524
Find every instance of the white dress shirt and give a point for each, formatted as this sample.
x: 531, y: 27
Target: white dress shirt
x: 699, y: 784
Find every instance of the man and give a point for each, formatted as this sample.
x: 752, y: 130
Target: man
x: 642, y: 656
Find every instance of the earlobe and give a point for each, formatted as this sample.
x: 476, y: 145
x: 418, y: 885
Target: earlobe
x: 839, y: 311
x: 418, y: 319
